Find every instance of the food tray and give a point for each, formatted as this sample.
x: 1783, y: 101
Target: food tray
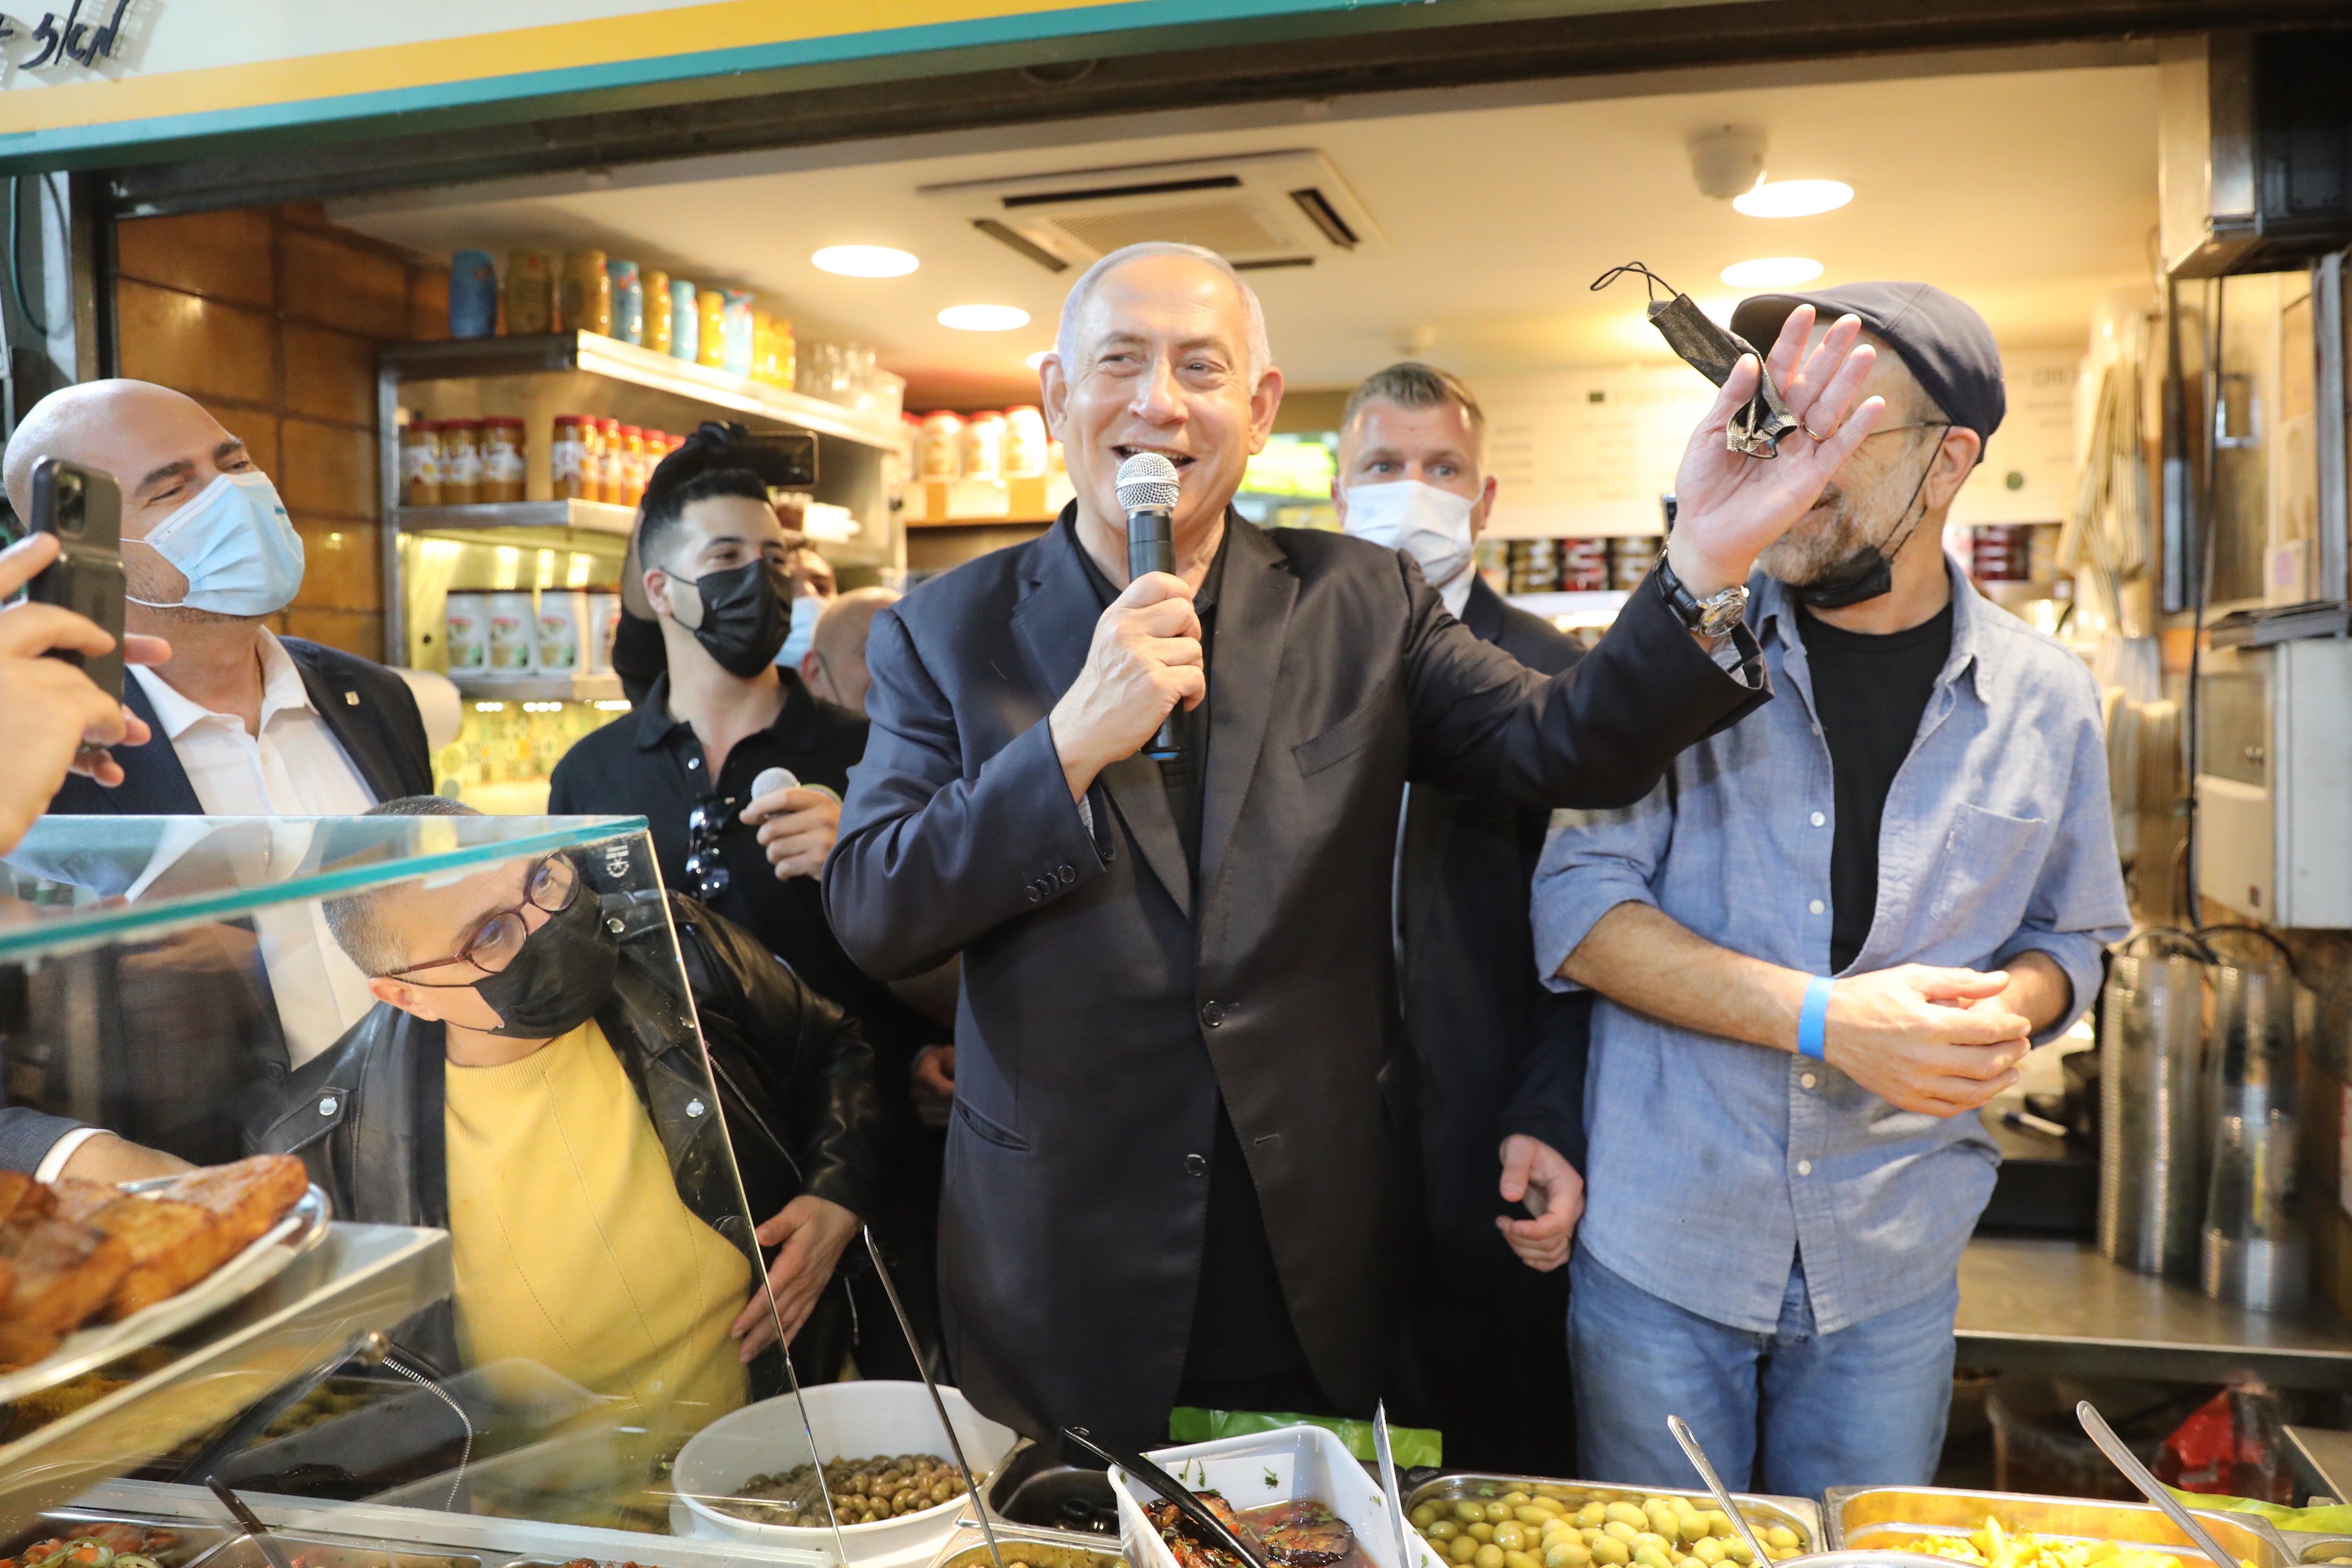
x: 1760, y: 1510
x: 326, y: 1552
x: 1261, y: 1467
x: 87, y: 1349
x: 968, y: 1548
x: 2303, y: 1546
x: 66, y: 1523
x: 1880, y: 1518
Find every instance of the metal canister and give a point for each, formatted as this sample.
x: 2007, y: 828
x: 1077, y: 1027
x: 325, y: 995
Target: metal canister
x: 2153, y: 1129
x: 2256, y: 1252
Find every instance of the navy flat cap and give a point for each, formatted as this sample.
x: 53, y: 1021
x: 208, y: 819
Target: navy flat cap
x: 1946, y: 345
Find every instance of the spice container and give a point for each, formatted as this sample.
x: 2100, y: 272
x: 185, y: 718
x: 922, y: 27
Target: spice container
x: 1025, y: 442
x: 657, y: 311
x: 585, y: 302
x: 502, y: 443
x: 628, y: 296
x: 983, y: 446
x: 631, y: 481
x: 530, y: 292
x: 684, y: 321
x: 710, y: 311
x: 473, y: 294
x: 942, y: 456
x: 420, y: 463
x: 566, y: 455
x: 608, y: 463
x: 461, y: 462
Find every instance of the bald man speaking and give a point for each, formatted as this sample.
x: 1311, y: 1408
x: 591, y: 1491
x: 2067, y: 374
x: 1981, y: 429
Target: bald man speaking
x: 1177, y: 1169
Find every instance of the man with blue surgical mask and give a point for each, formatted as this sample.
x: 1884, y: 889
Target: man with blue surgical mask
x: 1501, y: 1057
x: 246, y: 723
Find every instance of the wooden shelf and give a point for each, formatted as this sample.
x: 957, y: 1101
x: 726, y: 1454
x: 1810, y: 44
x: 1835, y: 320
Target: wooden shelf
x: 587, y: 516
x: 457, y: 359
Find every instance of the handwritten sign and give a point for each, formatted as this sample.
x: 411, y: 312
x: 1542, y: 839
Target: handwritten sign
x: 87, y: 33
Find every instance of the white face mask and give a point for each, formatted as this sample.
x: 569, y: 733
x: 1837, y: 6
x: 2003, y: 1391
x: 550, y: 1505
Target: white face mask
x: 1429, y: 524
x: 236, y: 546
x: 805, y: 610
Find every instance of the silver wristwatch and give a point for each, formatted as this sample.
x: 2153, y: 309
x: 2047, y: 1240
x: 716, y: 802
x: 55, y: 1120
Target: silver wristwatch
x: 1716, y: 616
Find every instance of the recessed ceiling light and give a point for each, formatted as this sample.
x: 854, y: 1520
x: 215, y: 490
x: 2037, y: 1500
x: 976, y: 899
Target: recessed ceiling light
x: 1772, y: 273
x: 1038, y: 358
x: 983, y: 317
x: 864, y: 261
x: 1793, y: 198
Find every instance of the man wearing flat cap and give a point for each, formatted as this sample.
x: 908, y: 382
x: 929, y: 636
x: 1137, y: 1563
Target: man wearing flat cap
x: 1820, y: 945
x: 1179, y: 1169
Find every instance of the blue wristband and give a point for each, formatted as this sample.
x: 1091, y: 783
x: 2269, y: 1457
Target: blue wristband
x: 1813, y: 1018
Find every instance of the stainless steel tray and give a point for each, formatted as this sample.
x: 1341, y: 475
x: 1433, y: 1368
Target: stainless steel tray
x: 64, y: 1523
x: 2304, y: 1547
x: 1890, y: 1517
x: 968, y: 1548
x: 1799, y: 1514
x: 326, y: 1552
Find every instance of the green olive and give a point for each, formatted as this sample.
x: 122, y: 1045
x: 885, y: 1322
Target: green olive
x: 1651, y: 1557
x: 1495, y: 1512
x: 1425, y: 1515
x: 1593, y: 1514
x: 1737, y: 1549
x: 1481, y: 1532
x: 1470, y: 1512
x: 1552, y: 1506
x: 1708, y: 1550
x: 1692, y: 1526
x: 1622, y: 1531
x: 1488, y: 1556
x: 1719, y: 1525
x: 1529, y: 1513
x: 1568, y: 1554
x: 1462, y: 1548
x: 1511, y: 1535
x: 1627, y: 1514
x: 1519, y: 1560
x: 1781, y: 1536
x: 1611, y: 1551
x: 1515, y: 1499
x: 1444, y: 1529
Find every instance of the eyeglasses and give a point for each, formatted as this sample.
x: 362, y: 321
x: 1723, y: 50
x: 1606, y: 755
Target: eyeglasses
x: 549, y: 887
x: 703, y: 826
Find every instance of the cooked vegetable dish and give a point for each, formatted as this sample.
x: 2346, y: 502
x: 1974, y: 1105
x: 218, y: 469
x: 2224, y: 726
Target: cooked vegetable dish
x: 1993, y: 1547
x: 1549, y: 1528
x: 866, y: 1492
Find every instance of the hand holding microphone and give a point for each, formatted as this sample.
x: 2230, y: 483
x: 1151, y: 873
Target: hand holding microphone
x: 797, y: 822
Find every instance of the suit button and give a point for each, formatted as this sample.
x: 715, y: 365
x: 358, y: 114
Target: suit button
x: 1212, y: 1013
x: 1196, y: 1165
x: 1068, y: 874
x: 1034, y: 895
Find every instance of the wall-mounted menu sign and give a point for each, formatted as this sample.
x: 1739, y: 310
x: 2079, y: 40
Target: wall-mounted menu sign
x: 1587, y: 453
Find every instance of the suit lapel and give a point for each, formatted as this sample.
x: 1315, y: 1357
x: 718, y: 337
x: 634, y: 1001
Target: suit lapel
x: 1055, y: 622
x: 361, y: 742
x: 1253, y: 617
x: 153, y: 782
x: 1483, y: 611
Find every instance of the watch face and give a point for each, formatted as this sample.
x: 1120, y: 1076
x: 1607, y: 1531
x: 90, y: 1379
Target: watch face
x: 1719, y: 613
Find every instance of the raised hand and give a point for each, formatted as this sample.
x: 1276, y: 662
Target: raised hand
x: 1730, y: 506
x: 1145, y: 660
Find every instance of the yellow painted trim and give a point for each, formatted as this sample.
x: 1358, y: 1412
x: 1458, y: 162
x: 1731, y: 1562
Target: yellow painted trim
x: 722, y: 24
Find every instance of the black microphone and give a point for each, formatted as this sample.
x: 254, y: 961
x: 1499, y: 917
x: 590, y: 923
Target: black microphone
x: 1147, y: 492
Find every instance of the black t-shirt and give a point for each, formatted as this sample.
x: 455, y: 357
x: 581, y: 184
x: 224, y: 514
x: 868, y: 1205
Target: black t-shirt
x: 651, y: 764
x: 1241, y: 1324
x: 1869, y: 691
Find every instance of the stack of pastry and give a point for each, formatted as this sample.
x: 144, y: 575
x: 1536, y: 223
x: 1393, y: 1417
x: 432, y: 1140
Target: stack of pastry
x: 80, y: 1252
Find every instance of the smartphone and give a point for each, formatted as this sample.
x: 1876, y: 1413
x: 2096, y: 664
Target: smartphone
x: 84, y: 509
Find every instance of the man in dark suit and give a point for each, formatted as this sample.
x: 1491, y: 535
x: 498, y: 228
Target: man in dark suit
x: 244, y: 723
x: 1501, y: 1057
x: 1179, y: 1168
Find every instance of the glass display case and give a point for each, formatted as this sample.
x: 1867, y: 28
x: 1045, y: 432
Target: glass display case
x: 485, y: 1127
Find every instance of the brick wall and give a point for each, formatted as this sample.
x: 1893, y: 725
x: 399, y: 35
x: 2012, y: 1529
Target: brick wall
x: 270, y: 317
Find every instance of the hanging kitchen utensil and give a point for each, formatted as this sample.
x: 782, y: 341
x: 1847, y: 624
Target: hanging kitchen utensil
x: 1689, y: 1440
x: 1172, y: 1489
x: 1390, y: 1495
x: 1763, y: 422
x: 2149, y: 1487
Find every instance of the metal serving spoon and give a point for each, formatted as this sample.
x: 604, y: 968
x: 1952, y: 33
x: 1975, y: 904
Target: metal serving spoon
x: 2151, y: 1488
x: 1697, y: 1455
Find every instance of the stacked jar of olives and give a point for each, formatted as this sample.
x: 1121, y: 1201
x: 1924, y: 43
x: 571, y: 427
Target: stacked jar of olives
x: 1536, y: 1530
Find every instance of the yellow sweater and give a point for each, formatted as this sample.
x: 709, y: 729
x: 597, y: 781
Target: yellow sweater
x: 571, y: 1245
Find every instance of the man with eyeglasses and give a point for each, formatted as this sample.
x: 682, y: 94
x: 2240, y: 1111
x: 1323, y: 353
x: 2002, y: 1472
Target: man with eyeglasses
x: 1821, y: 943
x: 531, y: 1080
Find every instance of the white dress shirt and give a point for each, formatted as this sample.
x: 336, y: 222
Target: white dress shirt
x: 295, y: 768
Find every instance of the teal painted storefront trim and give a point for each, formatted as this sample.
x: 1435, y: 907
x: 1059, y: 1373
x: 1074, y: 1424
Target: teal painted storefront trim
x: 76, y: 145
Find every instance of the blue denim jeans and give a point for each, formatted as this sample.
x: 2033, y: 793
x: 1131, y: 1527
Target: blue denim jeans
x: 1864, y: 1406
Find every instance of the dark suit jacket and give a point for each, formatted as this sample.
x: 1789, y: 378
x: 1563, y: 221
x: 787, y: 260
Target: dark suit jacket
x: 1107, y: 1000
x: 370, y: 709
x: 1498, y: 1053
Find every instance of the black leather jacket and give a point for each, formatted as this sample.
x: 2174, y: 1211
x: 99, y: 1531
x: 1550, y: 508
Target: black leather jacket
x: 793, y: 1079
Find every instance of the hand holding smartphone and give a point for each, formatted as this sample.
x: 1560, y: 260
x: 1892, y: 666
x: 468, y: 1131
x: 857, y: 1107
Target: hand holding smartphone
x: 83, y: 510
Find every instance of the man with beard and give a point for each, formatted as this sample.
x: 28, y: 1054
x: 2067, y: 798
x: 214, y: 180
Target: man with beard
x: 1820, y: 944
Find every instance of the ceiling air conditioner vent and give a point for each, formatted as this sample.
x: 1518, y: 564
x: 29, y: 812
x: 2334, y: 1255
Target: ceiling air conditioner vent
x: 1258, y: 210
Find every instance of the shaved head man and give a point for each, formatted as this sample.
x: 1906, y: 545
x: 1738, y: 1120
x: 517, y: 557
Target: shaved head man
x: 835, y: 665
x: 1176, y: 1166
x: 246, y: 723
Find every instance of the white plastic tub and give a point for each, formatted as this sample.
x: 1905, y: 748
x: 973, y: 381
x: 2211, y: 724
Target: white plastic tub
x: 1265, y: 1467
x: 852, y: 1420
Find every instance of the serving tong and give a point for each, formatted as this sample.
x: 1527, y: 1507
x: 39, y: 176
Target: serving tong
x: 1194, y: 1510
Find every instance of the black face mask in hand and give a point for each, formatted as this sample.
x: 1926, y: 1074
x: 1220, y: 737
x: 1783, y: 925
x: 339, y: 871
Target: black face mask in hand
x: 560, y: 976
x: 743, y: 620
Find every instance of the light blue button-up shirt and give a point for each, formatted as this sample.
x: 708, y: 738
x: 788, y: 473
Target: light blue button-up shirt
x: 1713, y: 1162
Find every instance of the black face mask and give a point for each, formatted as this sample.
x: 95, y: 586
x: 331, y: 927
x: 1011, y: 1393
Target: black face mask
x: 743, y: 620
x: 1870, y: 570
x: 558, y: 978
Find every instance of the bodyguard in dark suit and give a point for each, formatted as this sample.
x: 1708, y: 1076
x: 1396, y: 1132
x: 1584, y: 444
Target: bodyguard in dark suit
x: 1179, y: 1167
x: 1501, y: 1057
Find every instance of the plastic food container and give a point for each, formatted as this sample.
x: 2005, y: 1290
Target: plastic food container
x: 466, y: 633
x: 603, y: 622
x: 513, y: 632
x: 562, y: 632
x: 850, y: 1420
x: 628, y: 301
x: 1269, y: 1468
x: 983, y: 446
x: 1025, y: 442
x: 941, y: 455
x: 461, y: 462
x: 567, y: 457
x: 420, y: 463
x: 658, y: 311
x: 501, y: 458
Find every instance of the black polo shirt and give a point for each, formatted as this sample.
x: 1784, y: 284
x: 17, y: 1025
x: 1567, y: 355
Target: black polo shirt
x: 651, y: 764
